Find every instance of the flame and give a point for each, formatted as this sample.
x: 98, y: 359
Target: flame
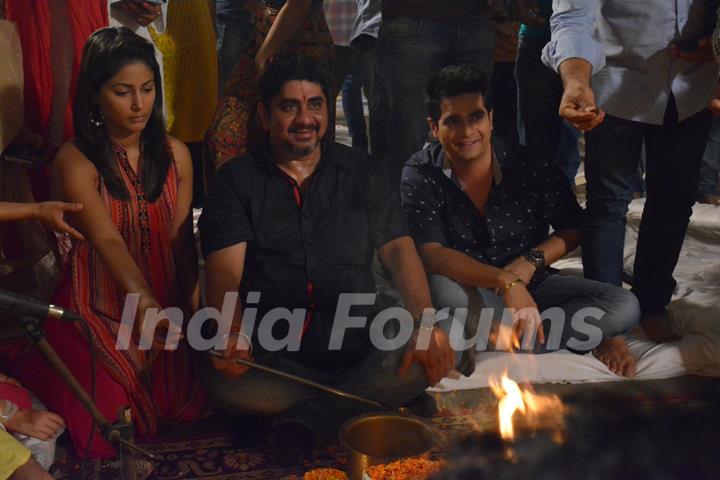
x: 536, y: 411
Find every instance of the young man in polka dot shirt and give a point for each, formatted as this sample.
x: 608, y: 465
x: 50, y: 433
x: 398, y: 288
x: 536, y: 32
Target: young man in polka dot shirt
x: 480, y: 212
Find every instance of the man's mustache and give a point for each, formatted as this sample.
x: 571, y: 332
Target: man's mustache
x: 299, y: 128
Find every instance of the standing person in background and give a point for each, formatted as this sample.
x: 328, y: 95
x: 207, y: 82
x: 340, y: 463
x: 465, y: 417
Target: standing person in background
x: 418, y: 38
x: 190, y: 78
x: 234, y: 27
x: 539, y: 90
x: 502, y: 83
x: 52, y: 34
x: 341, y: 16
x: 284, y: 27
x: 640, y: 94
x: 364, y: 40
x: 710, y: 166
x: 138, y: 15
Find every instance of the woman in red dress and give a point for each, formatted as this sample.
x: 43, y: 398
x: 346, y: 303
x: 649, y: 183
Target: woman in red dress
x: 135, y: 184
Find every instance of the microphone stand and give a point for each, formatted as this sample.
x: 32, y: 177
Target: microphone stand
x: 119, y: 434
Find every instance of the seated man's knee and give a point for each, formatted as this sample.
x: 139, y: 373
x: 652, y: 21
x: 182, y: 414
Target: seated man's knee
x: 239, y: 395
x: 447, y: 293
x: 622, y: 312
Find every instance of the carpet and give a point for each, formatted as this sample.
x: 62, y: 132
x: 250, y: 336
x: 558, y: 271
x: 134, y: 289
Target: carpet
x: 213, y: 456
x: 217, y: 449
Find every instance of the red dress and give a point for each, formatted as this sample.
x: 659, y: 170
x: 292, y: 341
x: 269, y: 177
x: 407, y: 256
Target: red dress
x: 36, y: 23
x: 156, y: 385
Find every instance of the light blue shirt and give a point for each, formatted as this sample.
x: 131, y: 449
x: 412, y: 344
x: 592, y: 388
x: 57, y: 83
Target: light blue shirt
x: 627, y: 41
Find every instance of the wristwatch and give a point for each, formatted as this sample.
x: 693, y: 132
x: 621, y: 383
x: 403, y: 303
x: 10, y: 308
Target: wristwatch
x: 8, y: 411
x: 536, y: 257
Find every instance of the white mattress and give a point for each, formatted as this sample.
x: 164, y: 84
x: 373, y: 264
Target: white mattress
x: 694, y: 312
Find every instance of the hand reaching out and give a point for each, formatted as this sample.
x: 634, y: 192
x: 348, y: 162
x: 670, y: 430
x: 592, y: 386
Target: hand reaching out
x: 526, y: 316
x: 238, y: 346
x: 144, y: 12
x: 52, y: 214
x: 577, y: 106
x: 437, y: 360
x: 39, y: 424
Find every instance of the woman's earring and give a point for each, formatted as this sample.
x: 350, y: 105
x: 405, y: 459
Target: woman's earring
x: 96, y: 118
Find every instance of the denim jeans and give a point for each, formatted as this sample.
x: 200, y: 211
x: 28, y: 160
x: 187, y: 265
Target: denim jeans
x: 539, y: 125
x: 411, y: 50
x: 348, y: 83
x: 710, y: 166
x: 674, y: 151
x: 375, y: 377
x: 233, y: 34
x: 378, y: 105
x: 568, y: 293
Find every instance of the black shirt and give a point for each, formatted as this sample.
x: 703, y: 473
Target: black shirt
x: 527, y: 196
x: 306, y: 248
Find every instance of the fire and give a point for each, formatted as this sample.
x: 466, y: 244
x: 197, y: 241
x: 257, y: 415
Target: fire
x: 536, y: 412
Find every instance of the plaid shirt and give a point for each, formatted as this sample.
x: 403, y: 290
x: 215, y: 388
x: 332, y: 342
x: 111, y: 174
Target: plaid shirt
x: 340, y: 16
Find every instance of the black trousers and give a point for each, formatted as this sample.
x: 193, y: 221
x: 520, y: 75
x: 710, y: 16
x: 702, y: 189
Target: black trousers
x: 674, y: 151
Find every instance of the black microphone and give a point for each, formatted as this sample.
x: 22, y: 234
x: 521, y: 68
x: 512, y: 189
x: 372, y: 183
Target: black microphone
x: 22, y: 305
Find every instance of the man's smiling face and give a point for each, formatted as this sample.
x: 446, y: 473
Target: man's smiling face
x: 464, y: 127
x: 298, y: 118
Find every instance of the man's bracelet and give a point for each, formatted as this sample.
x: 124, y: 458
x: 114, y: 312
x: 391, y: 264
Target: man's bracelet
x: 421, y: 323
x: 426, y: 328
x: 236, y: 330
x: 517, y: 281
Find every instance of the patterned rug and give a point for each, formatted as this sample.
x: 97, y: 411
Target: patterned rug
x: 212, y: 456
x: 218, y: 449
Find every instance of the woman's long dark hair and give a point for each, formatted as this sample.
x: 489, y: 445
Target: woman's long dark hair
x: 106, y: 52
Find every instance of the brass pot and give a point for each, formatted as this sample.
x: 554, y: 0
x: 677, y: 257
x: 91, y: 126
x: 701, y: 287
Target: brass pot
x: 381, y: 438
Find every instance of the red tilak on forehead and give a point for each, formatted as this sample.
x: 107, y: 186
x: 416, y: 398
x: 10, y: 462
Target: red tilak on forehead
x: 304, y: 89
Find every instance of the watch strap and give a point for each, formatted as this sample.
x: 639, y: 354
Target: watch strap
x: 536, y: 257
x: 8, y: 411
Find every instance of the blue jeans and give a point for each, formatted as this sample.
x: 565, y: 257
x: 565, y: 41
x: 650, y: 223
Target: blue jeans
x: 352, y: 103
x: 540, y: 127
x: 568, y: 293
x: 347, y: 79
x: 411, y: 50
x: 376, y: 93
x: 710, y: 166
x: 259, y: 393
x: 674, y: 151
x: 234, y: 28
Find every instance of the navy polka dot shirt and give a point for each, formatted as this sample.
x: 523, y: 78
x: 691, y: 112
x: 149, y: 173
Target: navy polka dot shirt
x: 527, y: 197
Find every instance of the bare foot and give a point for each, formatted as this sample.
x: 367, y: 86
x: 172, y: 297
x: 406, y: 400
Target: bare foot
x: 657, y: 327
x: 710, y: 198
x: 615, y: 354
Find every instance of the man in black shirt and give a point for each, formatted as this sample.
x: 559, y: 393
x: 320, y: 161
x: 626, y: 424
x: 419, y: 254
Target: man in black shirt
x: 294, y: 228
x: 480, y: 213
